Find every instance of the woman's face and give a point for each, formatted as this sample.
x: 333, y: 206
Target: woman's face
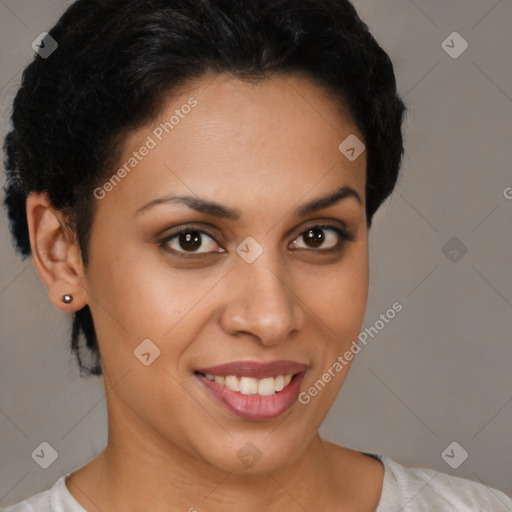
x: 255, y: 278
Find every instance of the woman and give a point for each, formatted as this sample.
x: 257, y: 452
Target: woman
x: 200, y: 200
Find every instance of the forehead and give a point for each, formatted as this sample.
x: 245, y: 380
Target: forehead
x: 255, y: 110
x: 221, y: 135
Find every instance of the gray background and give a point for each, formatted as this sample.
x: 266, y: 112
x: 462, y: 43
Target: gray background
x: 440, y: 370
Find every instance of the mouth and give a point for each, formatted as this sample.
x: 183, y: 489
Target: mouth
x: 254, y: 391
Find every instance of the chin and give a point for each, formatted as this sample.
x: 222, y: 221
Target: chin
x: 257, y: 452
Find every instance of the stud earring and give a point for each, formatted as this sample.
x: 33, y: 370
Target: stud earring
x: 67, y: 298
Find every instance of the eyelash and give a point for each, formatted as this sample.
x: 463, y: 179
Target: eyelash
x: 344, y: 236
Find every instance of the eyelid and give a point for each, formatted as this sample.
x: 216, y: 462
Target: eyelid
x: 189, y: 226
x: 321, y: 223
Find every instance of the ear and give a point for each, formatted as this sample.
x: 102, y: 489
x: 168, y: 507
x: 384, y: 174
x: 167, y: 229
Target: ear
x: 55, y: 252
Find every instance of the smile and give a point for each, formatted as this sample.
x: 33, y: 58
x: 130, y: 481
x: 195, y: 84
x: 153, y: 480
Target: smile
x: 252, y: 390
x: 251, y: 386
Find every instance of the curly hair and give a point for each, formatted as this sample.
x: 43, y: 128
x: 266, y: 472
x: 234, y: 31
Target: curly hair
x: 115, y: 61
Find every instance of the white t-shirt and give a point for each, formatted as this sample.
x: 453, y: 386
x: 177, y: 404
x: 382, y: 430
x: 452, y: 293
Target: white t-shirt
x: 404, y: 490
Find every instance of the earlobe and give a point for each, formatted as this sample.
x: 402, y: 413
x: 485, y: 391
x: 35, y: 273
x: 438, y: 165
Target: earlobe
x: 55, y: 253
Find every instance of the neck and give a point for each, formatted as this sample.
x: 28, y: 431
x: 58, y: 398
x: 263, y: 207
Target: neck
x: 137, y: 474
x: 140, y: 470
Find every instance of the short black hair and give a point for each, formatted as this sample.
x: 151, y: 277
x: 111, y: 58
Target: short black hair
x: 115, y: 61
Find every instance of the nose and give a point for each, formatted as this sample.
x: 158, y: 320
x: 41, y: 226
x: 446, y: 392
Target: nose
x: 263, y: 304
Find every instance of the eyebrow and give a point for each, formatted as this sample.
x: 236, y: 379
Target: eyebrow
x: 221, y: 211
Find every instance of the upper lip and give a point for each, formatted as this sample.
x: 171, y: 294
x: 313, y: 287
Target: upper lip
x: 255, y: 369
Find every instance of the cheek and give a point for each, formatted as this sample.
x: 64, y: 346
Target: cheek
x: 341, y: 299
x: 340, y: 305
x: 136, y: 296
x: 139, y: 300
x: 131, y: 301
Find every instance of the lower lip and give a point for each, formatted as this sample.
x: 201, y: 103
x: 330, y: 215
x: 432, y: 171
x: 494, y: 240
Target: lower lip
x: 255, y: 407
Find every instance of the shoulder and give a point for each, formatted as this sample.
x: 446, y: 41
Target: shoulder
x: 56, y: 499
x: 38, y: 503
x: 416, y: 489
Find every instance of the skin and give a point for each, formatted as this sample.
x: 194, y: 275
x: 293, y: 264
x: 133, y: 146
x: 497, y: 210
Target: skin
x: 263, y: 148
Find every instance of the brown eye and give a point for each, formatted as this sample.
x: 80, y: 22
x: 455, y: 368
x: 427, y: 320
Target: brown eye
x: 314, y: 237
x: 190, y: 241
x: 323, y: 238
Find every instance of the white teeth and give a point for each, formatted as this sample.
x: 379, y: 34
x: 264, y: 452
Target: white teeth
x: 251, y: 386
x: 248, y: 386
x: 232, y: 382
x: 266, y: 386
x: 279, y: 382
